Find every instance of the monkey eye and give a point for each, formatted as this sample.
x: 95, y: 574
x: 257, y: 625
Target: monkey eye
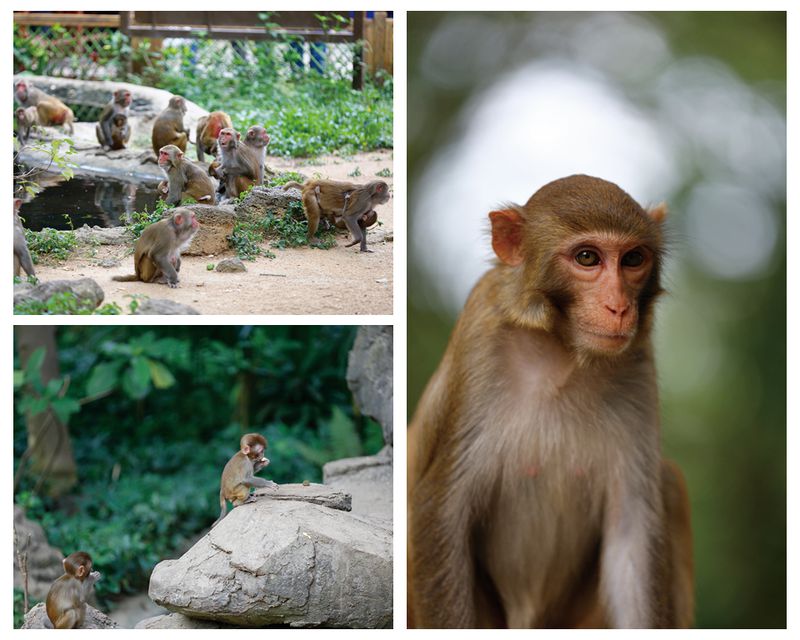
x: 633, y: 258
x: 587, y: 258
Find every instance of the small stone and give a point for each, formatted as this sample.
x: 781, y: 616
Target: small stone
x: 231, y: 265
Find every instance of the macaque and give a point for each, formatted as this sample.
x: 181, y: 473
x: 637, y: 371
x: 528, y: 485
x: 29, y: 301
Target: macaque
x: 50, y: 110
x: 168, y: 127
x: 355, y: 203
x: 238, y: 164
x: 66, y: 600
x: 238, y: 474
x: 27, y: 118
x: 208, y: 128
x: 185, y: 179
x: 157, y: 257
x: 537, y: 492
x: 257, y: 139
x: 22, y: 257
x: 110, y: 121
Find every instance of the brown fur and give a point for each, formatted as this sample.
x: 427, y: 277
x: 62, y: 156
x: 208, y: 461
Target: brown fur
x: 354, y: 203
x: 185, y: 179
x: 66, y: 601
x: 239, y: 167
x: 257, y: 139
x: 208, y: 128
x: 26, y: 118
x: 537, y: 493
x: 157, y: 257
x: 168, y: 127
x: 50, y: 110
x: 112, y: 129
x: 238, y: 474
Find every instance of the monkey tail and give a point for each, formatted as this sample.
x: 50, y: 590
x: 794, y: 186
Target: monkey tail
x: 222, y: 509
x: 292, y: 185
x: 129, y: 278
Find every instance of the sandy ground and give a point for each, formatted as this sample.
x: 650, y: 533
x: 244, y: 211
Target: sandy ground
x: 297, y: 281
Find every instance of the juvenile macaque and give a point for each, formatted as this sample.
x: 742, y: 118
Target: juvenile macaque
x: 257, y: 139
x: 355, y: 203
x: 208, y: 128
x: 168, y: 127
x: 185, y: 179
x: 66, y: 600
x: 112, y: 128
x: 238, y: 164
x: 50, y: 110
x: 157, y: 257
x: 537, y: 492
x: 238, y: 474
x: 22, y: 257
x: 27, y: 118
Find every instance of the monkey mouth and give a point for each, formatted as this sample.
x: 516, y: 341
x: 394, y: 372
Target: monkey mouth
x: 607, y: 341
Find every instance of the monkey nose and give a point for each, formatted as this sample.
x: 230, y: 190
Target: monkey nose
x: 618, y: 308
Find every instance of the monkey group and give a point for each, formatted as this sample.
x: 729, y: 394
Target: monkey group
x: 66, y: 600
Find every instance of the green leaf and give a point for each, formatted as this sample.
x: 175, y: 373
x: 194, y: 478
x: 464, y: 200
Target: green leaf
x: 136, y: 378
x: 19, y: 378
x: 34, y: 366
x: 64, y: 408
x: 103, y: 378
x: 160, y: 375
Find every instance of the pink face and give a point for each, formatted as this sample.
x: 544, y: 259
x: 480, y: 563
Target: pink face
x: 163, y: 158
x: 226, y: 137
x: 21, y: 89
x: 258, y: 134
x: 125, y: 98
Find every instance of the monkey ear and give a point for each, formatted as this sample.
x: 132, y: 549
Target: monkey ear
x: 80, y: 571
x: 17, y: 202
x: 179, y: 153
x: 238, y: 136
x: 246, y: 449
x: 507, y: 236
x: 658, y: 213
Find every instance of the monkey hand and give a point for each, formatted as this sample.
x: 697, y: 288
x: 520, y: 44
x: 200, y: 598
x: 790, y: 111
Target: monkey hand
x: 271, y: 485
x: 95, y: 575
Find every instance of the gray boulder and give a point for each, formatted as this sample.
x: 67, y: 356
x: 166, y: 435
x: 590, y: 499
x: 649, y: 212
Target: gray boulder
x: 368, y: 479
x: 162, y: 307
x: 263, y: 200
x: 179, y: 621
x: 370, y: 375
x: 36, y: 618
x: 284, y: 562
x: 85, y: 290
x: 43, y: 561
x: 231, y: 265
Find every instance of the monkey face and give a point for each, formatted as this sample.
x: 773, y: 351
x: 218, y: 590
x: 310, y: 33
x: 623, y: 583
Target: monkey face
x: 227, y: 138
x: 126, y: 98
x: 22, y: 91
x: 258, y: 136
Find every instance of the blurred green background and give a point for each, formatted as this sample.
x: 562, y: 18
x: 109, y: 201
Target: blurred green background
x: 689, y: 108
x: 152, y: 414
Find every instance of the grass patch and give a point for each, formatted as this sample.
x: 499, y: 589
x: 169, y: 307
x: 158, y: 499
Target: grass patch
x: 51, y: 242
x: 65, y: 303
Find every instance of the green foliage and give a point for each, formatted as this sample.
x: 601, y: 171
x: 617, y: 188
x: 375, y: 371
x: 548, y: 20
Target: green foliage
x: 19, y: 606
x: 140, y: 220
x: 59, y: 244
x: 65, y: 303
x: 386, y: 172
x: 59, y: 152
x: 355, y: 172
x: 247, y: 238
x: 288, y: 176
x: 41, y: 397
x: 306, y: 115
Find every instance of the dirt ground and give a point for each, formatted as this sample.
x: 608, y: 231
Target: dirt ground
x: 297, y: 281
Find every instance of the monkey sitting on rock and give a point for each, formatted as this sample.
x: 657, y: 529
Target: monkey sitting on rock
x: 66, y: 601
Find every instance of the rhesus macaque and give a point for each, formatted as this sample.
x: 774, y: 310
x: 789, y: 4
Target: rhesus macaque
x: 109, y: 119
x: 257, y: 139
x: 238, y: 164
x: 238, y: 474
x: 27, y: 118
x: 66, y: 600
x: 355, y: 203
x: 168, y: 127
x: 50, y: 110
x: 157, y: 257
x: 22, y: 257
x: 208, y: 128
x: 537, y: 492
x: 185, y: 179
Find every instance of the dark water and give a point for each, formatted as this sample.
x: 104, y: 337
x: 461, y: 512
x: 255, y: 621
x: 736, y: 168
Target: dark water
x: 93, y: 201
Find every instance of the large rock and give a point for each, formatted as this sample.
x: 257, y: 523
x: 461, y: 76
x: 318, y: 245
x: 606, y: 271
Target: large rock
x: 368, y: 479
x: 179, y: 621
x: 36, y: 618
x: 370, y: 375
x: 216, y: 224
x: 162, y: 307
x: 284, y: 562
x: 43, y: 561
x: 263, y: 200
x: 86, y: 290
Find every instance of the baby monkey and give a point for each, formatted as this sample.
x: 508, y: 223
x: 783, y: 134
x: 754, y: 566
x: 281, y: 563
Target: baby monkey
x: 239, y: 473
x: 66, y: 600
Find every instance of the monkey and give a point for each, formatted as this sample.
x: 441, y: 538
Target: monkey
x: 208, y: 128
x: 120, y: 131
x: 353, y: 202
x: 238, y: 474
x: 66, y: 600
x: 157, y: 256
x: 257, y: 139
x: 118, y: 105
x: 22, y: 257
x: 50, y: 110
x: 185, y: 179
x: 537, y: 492
x: 168, y: 127
x: 238, y: 164
x: 27, y: 118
